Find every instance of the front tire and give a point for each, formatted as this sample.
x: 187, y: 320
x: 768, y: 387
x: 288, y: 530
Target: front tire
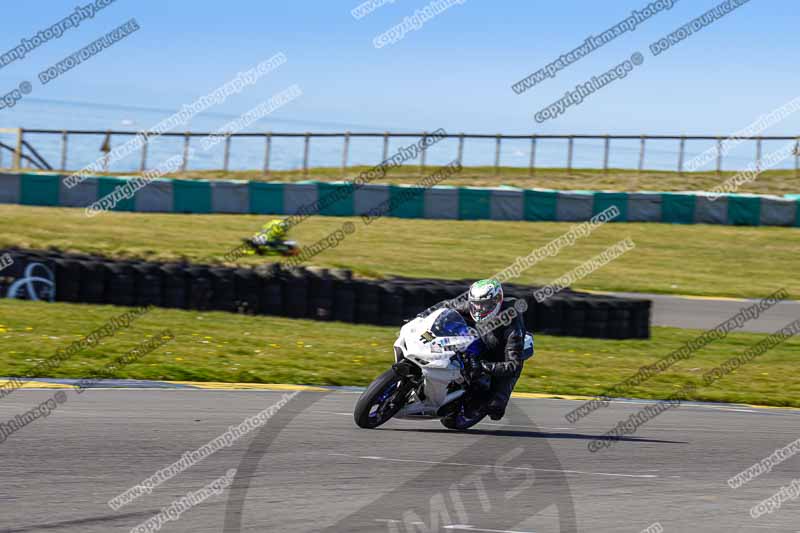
x: 381, y: 401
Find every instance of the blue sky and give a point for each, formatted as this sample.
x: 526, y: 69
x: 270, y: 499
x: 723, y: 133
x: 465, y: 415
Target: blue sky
x: 455, y: 72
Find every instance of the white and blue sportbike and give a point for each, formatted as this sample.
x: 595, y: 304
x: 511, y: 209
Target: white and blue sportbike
x: 436, y: 374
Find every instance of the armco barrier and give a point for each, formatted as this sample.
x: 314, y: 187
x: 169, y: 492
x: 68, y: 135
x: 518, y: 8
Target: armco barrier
x: 296, y: 292
x: 439, y: 202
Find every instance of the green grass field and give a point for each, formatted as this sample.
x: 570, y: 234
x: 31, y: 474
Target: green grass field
x: 691, y: 259
x: 212, y: 346
x: 770, y: 182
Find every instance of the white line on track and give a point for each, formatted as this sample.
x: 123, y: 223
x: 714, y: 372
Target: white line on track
x: 457, y: 527
x: 463, y: 527
x: 444, y: 463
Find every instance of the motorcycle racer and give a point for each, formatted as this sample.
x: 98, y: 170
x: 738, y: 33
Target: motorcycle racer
x: 503, y: 358
x: 271, y: 240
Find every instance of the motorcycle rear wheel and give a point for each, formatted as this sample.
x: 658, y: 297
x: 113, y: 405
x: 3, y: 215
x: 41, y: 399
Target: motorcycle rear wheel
x: 460, y: 420
x: 381, y: 401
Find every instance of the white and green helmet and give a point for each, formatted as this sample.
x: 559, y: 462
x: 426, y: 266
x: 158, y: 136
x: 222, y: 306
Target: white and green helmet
x: 485, y: 299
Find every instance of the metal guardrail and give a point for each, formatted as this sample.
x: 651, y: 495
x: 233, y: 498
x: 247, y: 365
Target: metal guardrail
x: 346, y: 136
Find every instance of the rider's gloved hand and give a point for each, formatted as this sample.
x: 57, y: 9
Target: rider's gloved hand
x: 473, y: 369
x: 488, y: 368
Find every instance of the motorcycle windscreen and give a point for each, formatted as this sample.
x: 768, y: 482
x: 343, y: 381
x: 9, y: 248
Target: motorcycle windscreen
x: 450, y: 323
x: 452, y: 331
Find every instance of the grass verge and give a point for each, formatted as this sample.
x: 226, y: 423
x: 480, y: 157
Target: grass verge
x: 679, y: 259
x: 211, y: 346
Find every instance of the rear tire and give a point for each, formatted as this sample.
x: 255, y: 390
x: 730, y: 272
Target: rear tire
x: 381, y: 401
x: 459, y: 421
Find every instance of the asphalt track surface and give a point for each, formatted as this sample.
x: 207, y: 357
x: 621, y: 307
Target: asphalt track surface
x: 705, y: 313
x: 310, y: 469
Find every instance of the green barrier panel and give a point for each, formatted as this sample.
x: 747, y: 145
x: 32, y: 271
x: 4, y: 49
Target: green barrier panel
x: 39, y: 189
x: 266, y: 198
x: 677, y: 208
x: 474, y: 204
x: 604, y: 200
x: 406, y: 202
x: 797, y: 207
x: 797, y: 214
x: 191, y: 196
x: 540, y: 205
x: 335, y: 199
x: 106, y: 185
x: 744, y: 210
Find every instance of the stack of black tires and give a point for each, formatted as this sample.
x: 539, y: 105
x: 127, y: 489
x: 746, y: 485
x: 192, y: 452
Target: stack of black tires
x: 297, y: 292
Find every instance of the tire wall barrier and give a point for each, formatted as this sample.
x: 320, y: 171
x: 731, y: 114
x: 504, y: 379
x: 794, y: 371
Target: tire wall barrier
x: 296, y: 292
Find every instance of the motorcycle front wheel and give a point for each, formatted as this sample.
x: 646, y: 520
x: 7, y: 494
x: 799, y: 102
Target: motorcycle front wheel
x: 381, y: 401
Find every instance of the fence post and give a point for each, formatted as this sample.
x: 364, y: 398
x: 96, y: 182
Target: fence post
x: 532, y: 162
x: 497, y: 156
x: 267, y: 147
x: 143, y: 164
x: 64, y: 150
x: 227, y: 155
x: 385, y: 146
x: 185, y: 162
x: 641, y: 154
x: 758, y: 155
x: 606, y: 148
x: 797, y: 158
x: 681, y: 154
x: 570, y: 146
x: 106, y: 148
x: 460, y: 155
x: 423, y: 154
x: 345, y: 150
x: 18, y: 150
x: 305, y: 153
x: 719, y: 155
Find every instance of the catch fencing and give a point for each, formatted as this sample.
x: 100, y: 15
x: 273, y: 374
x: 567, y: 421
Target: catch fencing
x: 24, y: 155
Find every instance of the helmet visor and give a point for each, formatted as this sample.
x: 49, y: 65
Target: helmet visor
x: 482, y: 308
